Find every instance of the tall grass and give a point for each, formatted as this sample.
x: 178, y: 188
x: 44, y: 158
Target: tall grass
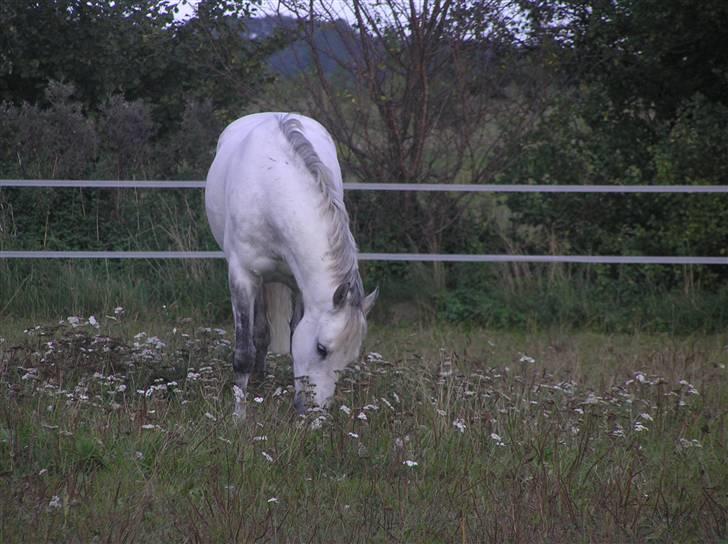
x: 146, y: 289
x: 37, y: 290
x: 113, y: 434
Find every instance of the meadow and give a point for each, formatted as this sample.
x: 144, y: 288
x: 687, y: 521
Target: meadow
x: 116, y: 429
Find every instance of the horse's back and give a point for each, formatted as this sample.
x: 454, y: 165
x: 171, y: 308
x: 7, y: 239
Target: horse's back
x: 255, y: 174
x: 229, y: 145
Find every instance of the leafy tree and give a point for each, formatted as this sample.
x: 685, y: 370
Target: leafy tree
x: 101, y: 47
x: 650, y: 55
x: 433, y: 91
x: 135, y: 48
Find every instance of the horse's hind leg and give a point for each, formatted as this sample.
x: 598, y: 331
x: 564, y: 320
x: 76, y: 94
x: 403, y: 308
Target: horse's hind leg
x: 243, y: 290
x: 297, y: 312
x: 261, y: 332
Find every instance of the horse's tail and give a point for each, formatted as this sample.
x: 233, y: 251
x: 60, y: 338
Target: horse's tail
x: 279, y: 310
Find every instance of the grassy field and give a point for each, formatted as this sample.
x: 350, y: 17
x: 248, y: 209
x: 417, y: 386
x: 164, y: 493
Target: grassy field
x: 114, y: 430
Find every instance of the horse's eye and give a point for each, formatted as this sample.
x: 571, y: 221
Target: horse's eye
x: 322, y: 351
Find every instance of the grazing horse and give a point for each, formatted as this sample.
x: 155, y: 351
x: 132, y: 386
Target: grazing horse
x: 275, y: 204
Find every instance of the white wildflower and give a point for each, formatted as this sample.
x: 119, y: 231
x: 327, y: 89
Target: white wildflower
x: 267, y: 456
x: 691, y: 389
x: 260, y: 438
x: 646, y: 416
x: 344, y: 408
x: 258, y: 400
x: 317, y: 423
x: 617, y: 431
x: 527, y: 359
x: 273, y: 499
x: 55, y: 502
x: 118, y: 311
x: 194, y: 376
x: 209, y: 416
x: 639, y: 427
x: 155, y: 342
x: 353, y: 435
x: 684, y: 443
x: 409, y: 463
x: 497, y: 439
x: 459, y: 424
x: 362, y: 416
x: 120, y: 388
x: 441, y: 412
x: 73, y: 321
x: 138, y: 455
x: 150, y: 427
x: 374, y: 357
x: 92, y: 321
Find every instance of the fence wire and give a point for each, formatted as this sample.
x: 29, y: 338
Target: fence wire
x: 388, y: 257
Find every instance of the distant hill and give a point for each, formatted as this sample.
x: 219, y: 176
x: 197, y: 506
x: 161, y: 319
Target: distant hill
x: 331, y: 37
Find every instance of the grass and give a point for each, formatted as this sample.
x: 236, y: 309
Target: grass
x: 123, y: 433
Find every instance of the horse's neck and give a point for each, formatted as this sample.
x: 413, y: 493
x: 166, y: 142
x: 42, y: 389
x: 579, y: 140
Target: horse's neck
x: 308, y: 257
x: 314, y: 267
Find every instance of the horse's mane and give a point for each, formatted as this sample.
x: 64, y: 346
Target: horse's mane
x: 343, y: 247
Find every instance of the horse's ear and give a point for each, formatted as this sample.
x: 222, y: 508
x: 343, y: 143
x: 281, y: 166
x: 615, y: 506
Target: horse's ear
x: 369, y: 301
x: 340, y: 294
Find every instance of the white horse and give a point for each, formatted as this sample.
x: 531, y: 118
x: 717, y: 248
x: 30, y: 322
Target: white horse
x: 274, y: 200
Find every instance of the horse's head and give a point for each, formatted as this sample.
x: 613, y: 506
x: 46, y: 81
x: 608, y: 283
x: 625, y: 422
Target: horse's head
x: 325, y: 341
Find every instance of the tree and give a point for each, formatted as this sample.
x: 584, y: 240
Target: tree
x: 648, y: 105
x: 433, y: 91
x: 650, y: 55
x: 100, y: 47
x: 135, y: 48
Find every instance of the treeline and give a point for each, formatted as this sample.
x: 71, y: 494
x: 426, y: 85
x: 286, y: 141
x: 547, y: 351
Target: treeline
x: 571, y: 92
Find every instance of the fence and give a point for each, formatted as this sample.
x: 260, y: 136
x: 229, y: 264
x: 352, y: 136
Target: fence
x: 412, y: 257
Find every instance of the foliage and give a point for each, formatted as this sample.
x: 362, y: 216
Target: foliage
x: 468, y: 92
x: 577, y: 144
x: 422, y: 93
x: 650, y: 56
x: 136, y: 48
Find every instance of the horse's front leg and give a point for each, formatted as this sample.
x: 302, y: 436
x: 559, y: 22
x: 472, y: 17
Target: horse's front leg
x: 243, y: 292
x: 261, y: 331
